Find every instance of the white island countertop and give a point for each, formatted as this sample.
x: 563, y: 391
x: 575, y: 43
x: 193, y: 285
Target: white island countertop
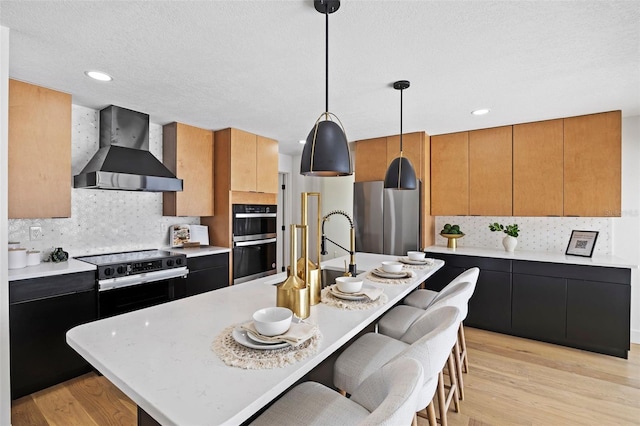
x: 536, y: 256
x: 161, y: 357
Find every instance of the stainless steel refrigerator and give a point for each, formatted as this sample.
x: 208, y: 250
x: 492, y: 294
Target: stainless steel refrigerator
x: 387, y: 221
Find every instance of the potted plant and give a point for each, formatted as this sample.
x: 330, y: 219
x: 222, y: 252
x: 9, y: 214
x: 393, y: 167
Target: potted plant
x: 451, y: 233
x: 511, y: 240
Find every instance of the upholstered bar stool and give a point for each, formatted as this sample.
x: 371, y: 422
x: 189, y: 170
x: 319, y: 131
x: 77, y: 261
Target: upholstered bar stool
x: 388, y: 396
x: 399, y: 319
x: 423, y: 298
x: 428, y: 340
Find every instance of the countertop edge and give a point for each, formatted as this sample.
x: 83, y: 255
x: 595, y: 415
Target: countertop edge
x: 604, y: 261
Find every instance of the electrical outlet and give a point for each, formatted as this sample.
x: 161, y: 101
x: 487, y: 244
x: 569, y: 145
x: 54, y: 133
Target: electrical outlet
x: 35, y: 233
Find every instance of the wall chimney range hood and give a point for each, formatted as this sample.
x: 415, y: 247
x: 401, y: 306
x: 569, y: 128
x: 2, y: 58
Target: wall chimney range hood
x: 123, y: 161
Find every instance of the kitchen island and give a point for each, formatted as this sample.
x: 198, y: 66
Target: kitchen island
x: 161, y: 356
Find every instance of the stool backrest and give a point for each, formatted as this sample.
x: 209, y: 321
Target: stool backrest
x: 470, y: 275
x: 459, y: 297
x: 391, y: 393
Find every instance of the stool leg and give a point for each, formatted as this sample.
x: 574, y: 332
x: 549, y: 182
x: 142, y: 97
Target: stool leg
x: 442, y: 400
x: 454, y: 384
x: 431, y: 414
x: 458, y: 367
x: 343, y: 393
x: 463, y: 344
x: 415, y: 420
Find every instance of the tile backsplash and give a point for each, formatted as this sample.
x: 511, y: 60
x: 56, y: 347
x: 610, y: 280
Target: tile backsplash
x: 544, y: 234
x: 101, y: 221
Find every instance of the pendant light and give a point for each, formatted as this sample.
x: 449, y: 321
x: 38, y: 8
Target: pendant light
x: 326, y: 151
x: 400, y: 174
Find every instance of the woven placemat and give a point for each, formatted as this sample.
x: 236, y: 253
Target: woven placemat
x: 234, y: 354
x: 356, y: 305
x: 373, y: 277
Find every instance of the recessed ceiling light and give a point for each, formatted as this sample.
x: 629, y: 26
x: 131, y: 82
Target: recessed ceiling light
x: 302, y: 142
x: 482, y: 111
x: 98, y: 75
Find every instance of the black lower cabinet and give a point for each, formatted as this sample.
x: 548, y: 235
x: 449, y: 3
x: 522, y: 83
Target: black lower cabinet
x: 585, y: 307
x: 38, y: 323
x: 490, y: 305
x: 539, y: 307
x: 598, y: 316
x: 206, y: 273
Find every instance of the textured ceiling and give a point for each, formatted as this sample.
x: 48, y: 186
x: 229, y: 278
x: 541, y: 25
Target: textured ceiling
x: 259, y: 65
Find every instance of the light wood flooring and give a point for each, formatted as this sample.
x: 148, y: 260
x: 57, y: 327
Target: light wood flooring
x: 512, y: 381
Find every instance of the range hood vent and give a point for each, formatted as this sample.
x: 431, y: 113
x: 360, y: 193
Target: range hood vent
x: 123, y: 161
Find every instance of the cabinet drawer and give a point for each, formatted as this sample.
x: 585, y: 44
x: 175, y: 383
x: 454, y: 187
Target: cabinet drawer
x: 56, y: 285
x: 199, y: 263
x: 578, y: 272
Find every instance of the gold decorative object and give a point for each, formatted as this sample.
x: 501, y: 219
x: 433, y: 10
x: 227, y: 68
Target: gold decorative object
x: 293, y: 293
x: 452, y: 239
x: 313, y: 281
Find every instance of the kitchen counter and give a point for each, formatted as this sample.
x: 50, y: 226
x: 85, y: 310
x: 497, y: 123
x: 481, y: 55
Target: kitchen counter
x: 607, y: 261
x: 45, y: 269
x: 199, y: 251
x: 161, y: 356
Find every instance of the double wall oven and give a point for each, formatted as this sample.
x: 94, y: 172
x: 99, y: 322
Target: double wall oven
x: 254, y: 241
x: 134, y: 280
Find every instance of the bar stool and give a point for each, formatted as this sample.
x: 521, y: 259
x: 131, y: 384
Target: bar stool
x: 429, y: 340
x: 388, y: 396
x: 423, y: 298
x: 399, y: 319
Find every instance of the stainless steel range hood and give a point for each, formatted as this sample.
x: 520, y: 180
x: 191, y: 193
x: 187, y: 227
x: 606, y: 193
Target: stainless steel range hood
x: 123, y: 161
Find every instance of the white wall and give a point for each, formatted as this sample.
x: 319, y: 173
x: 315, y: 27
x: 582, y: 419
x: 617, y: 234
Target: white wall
x: 5, y: 389
x: 626, y: 229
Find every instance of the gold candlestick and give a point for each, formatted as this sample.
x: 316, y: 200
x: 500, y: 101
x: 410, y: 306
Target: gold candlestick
x: 293, y: 293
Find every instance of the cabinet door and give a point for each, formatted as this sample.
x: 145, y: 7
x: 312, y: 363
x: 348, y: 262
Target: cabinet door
x: 450, y: 174
x: 592, y: 165
x: 266, y: 165
x: 539, y: 307
x: 40, y: 356
x: 39, y: 152
x: 371, y: 160
x: 188, y: 152
x: 490, y: 172
x: 207, y: 273
x: 243, y: 161
x: 538, y: 169
x: 412, y: 148
x: 598, y: 316
x: 490, y: 305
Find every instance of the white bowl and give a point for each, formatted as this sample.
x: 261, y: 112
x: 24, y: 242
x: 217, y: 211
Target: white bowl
x: 416, y: 255
x: 272, y: 321
x: 392, y: 266
x: 349, y: 284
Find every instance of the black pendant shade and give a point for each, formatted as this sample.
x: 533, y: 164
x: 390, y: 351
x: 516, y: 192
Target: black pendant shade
x: 400, y: 174
x: 326, y: 151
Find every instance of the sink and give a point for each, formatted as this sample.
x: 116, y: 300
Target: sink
x: 328, y: 276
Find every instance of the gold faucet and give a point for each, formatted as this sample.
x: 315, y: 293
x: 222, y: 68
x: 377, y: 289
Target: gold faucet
x: 351, y: 251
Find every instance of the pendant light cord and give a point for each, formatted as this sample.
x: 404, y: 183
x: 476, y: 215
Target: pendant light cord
x: 401, y: 90
x: 326, y: 74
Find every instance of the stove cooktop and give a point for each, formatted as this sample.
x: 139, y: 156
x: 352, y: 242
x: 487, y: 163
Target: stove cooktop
x: 125, y: 257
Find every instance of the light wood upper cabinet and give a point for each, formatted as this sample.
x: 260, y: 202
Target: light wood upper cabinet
x: 592, y: 165
x: 267, y: 165
x: 243, y: 160
x: 371, y: 159
x: 538, y: 169
x: 490, y: 172
x: 188, y: 152
x: 39, y: 177
x: 450, y: 174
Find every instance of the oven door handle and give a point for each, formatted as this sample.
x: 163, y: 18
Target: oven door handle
x: 146, y: 277
x: 255, y: 242
x: 252, y: 215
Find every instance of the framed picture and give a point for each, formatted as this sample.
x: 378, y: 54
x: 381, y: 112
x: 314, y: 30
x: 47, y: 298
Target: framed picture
x: 582, y: 243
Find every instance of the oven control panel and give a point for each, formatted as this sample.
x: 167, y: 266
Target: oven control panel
x: 132, y: 268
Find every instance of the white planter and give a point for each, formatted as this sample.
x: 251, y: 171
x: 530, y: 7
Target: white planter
x: 510, y: 243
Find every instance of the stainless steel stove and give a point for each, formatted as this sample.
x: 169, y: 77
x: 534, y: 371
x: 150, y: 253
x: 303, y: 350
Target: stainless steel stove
x: 133, y: 280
